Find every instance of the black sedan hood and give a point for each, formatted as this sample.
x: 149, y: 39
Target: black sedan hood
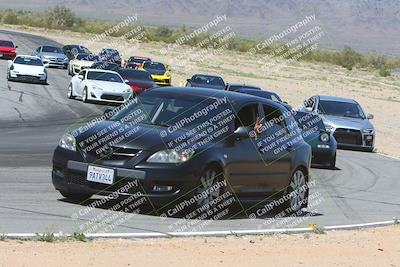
x: 114, y: 134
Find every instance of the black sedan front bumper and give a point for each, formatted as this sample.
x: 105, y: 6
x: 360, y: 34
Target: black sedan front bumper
x: 70, y: 171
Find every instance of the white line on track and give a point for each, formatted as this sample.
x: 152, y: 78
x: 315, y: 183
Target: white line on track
x: 211, y: 233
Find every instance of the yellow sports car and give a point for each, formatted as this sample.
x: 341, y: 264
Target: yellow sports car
x: 80, y: 62
x: 160, y: 73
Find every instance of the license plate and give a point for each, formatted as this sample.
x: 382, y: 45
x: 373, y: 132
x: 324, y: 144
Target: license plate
x: 100, y: 175
x: 369, y: 137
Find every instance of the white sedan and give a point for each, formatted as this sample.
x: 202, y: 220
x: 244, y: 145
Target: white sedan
x: 27, y: 68
x: 99, y: 85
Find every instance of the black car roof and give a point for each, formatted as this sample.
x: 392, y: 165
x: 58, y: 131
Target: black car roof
x: 238, y: 98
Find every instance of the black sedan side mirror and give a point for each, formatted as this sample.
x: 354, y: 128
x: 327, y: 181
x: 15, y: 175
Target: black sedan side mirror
x: 243, y: 132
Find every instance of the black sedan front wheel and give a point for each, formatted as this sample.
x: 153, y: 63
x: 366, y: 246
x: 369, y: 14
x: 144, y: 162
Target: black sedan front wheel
x: 332, y: 164
x: 297, y: 192
x: 210, y: 188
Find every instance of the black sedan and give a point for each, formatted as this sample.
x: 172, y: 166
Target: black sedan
x: 72, y: 50
x: 110, y: 55
x: 206, y: 81
x: 194, y: 146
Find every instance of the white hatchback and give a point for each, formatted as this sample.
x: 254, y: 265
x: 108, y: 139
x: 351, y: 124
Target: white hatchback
x: 99, y: 85
x: 27, y: 68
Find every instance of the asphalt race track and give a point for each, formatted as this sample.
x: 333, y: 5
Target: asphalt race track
x: 364, y: 188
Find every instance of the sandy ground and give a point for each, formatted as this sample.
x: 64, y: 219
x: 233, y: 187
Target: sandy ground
x: 294, y: 83
x: 369, y: 247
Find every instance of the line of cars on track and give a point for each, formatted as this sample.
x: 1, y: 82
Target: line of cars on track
x: 167, y: 174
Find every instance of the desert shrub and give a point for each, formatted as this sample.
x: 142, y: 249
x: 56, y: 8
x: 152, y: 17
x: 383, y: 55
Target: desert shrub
x: 384, y: 72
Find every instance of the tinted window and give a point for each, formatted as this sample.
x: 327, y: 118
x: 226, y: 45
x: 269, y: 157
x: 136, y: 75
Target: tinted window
x: 87, y: 57
x: 170, y: 110
x: 273, y: 116
x: 137, y: 60
x: 135, y: 74
x: 154, y: 65
x: 6, y: 43
x: 105, y: 66
x: 104, y: 76
x: 28, y: 61
x: 211, y: 80
x: 51, y: 49
x: 342, y: 109
x: 247, y: 116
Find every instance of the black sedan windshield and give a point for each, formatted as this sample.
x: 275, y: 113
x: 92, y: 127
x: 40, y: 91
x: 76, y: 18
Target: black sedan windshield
x: 154, y: 65
x: 210, y: 80
x: 166, y: 110
x: 131, y: 74
x: 341, y: 109
x: 103, y: 76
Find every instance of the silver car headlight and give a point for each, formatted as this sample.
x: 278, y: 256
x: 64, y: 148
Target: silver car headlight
x: 170, y: 156
x: 368, y: 131
x: 68, y: 142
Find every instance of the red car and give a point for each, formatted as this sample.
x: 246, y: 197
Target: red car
x: 138, y: 80
x: 7, y: 49
x: 136, y: 61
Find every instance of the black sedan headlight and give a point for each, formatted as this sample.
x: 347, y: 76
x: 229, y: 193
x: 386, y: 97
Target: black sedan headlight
x: 170, y: 156
x: 324, y: 137
x: 68, y: 142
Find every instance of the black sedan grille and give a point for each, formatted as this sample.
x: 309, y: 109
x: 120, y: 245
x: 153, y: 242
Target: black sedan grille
x: 348, y: 136
x: 80, y: 179
x: 75, y: 178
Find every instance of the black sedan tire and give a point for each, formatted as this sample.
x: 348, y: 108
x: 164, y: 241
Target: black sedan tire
x: 296, y: 192
x: 332, y: 164
x: 210, y: 187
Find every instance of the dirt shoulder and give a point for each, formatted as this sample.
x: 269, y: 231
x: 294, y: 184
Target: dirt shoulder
x: 368, y: 247
x: 294, y: 83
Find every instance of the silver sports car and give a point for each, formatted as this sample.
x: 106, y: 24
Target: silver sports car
x: 346, y: 121
x: 52, y: 55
